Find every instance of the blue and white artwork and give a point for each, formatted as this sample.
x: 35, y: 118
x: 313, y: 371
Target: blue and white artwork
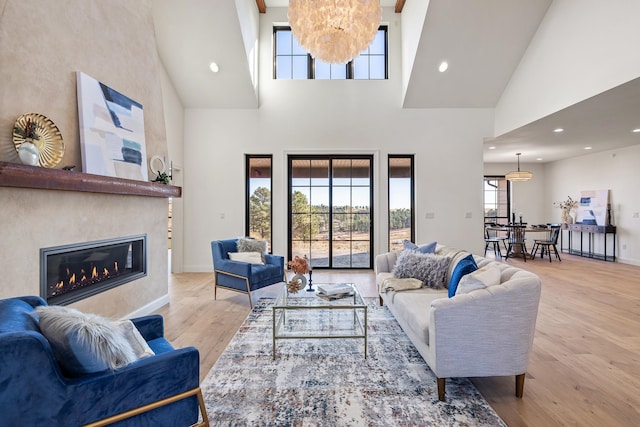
x: 593, y: 208
x: 111, y: 131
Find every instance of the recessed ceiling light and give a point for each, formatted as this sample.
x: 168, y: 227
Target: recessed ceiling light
x: 637, y: 130
x: 558, y: 130
x: 214, y: 67
x: 493, y: 147
x: 539, y: 159
x: 588, y: 148
x: 443, y: 66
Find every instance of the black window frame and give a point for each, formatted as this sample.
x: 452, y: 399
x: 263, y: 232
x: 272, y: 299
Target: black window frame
x: 411, y: 157
x: 311, y: 61
x: 247, y: 210
x: 494, y: 219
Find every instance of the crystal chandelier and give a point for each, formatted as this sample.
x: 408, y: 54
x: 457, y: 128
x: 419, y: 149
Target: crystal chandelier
x: 334, y: 31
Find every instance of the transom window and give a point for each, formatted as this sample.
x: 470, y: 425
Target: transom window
x: 292, y: 62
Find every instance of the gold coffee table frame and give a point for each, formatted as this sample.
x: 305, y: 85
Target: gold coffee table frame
x: 347, y: 317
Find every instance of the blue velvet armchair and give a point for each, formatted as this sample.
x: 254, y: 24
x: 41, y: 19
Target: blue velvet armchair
x: 160, y: 390
x: 242, y: 276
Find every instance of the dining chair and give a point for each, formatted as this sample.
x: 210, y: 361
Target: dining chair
x: 517, y: 242
x: 492, y: 238
x: 548, y: 243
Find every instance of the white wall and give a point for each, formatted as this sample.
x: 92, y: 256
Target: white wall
x: 582, y: 48
x: 351, y: 117
x: 616, y: 170
x: 174, y: 122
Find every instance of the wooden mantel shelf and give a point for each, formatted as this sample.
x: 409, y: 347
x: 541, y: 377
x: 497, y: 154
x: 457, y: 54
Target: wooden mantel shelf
x: 24, y: 176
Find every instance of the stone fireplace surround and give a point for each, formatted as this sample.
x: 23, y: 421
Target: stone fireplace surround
x: 53, y: 213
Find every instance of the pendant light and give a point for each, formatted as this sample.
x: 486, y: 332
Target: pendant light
x: 519, y: 176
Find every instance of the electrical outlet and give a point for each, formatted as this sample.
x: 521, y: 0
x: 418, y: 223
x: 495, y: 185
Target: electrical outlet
x: 468, y: 215
x: 624, y: 247
x: 221, y: 215
x: 429, y: 215
x: 636, y: 215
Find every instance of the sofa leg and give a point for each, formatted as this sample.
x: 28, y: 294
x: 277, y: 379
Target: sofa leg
x: 441, y: 387
x: 380, y: 300
x: 519, y: 385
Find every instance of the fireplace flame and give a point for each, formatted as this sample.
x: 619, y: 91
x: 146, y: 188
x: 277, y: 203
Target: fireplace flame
x: 72, y: 279
x: 94, y: 273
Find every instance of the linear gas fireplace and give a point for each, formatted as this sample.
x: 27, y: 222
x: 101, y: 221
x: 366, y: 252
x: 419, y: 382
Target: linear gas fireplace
x: 73, y: 272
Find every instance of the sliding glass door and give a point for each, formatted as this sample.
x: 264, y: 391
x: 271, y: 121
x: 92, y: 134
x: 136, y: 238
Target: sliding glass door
x: 330, y: 210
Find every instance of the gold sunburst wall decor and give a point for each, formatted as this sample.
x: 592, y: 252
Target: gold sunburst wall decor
x: 49, y: 141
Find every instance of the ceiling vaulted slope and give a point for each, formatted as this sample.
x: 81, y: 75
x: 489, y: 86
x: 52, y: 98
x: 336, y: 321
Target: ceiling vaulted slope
x: 482, y: 41
x: 190, y: 35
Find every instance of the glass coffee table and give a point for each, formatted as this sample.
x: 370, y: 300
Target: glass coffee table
x: 306, y: 315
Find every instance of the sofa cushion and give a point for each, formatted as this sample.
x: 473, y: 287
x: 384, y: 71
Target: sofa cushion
x: 484, y: 277
x: 429, y: 248
x: 84, y: 343
x: 431, y: 269
x: 412, y: 307
x: 250, y: 257
x: 253, y: 245
x: 465, y: 266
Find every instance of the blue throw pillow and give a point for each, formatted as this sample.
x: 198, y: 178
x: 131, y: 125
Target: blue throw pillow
x: 429, y: 248
x: 465, y: 266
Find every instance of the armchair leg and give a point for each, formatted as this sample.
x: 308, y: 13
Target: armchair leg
x: 441, y: 388
x: 380, y: 301
x: 519, y: 385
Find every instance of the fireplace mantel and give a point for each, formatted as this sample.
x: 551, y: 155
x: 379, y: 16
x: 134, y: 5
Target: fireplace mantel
x: 25, y: 176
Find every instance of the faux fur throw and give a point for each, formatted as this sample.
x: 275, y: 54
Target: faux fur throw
x: 253, y: 245
x: 84, y: 343
x: 431, y: 269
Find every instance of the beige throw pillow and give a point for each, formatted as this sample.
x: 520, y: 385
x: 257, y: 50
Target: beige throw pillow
x: 482, y: 278
x: 250, y: 257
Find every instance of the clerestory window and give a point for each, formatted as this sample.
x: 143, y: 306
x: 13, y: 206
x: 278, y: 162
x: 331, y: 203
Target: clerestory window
x: 292, y: 62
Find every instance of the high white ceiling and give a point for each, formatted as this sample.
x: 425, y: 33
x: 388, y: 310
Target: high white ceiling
x: 483, y: 42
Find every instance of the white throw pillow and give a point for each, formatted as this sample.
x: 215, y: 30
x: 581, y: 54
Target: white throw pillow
x: 482, y: 278
x: 250, y: 257
x: 131, y: 333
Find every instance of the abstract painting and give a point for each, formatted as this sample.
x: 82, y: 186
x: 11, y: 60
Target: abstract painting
x: 594, y: 207
x: 111, y: 131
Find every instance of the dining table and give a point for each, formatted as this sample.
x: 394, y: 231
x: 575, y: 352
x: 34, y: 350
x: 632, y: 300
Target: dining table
x: 517, y: 250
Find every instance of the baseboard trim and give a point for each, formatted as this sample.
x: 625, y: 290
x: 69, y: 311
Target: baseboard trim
x: 149, y: 308
x: 195, y: 268
x: 628, y: 261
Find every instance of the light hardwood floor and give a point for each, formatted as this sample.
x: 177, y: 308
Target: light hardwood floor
x: 585, y: 366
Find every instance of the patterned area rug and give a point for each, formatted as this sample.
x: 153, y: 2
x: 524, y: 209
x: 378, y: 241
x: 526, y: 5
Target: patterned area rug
x: 329, y: 383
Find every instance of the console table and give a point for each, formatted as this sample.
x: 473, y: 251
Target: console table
x: 586, y: 249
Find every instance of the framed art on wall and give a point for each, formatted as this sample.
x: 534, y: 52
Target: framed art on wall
x: 111, y: 131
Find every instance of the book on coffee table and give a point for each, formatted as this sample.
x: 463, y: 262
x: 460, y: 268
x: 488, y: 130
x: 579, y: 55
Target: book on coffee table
x: 335, y: 290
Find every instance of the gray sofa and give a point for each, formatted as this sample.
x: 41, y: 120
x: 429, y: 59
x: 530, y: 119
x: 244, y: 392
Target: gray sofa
x: 483, y: 333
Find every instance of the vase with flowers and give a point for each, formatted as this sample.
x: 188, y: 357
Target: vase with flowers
x: 28, y: 151
x: 566, y: 207
x: 300, y: 267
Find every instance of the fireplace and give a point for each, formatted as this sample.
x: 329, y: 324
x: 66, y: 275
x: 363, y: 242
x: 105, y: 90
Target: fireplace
x: 69, y: 273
